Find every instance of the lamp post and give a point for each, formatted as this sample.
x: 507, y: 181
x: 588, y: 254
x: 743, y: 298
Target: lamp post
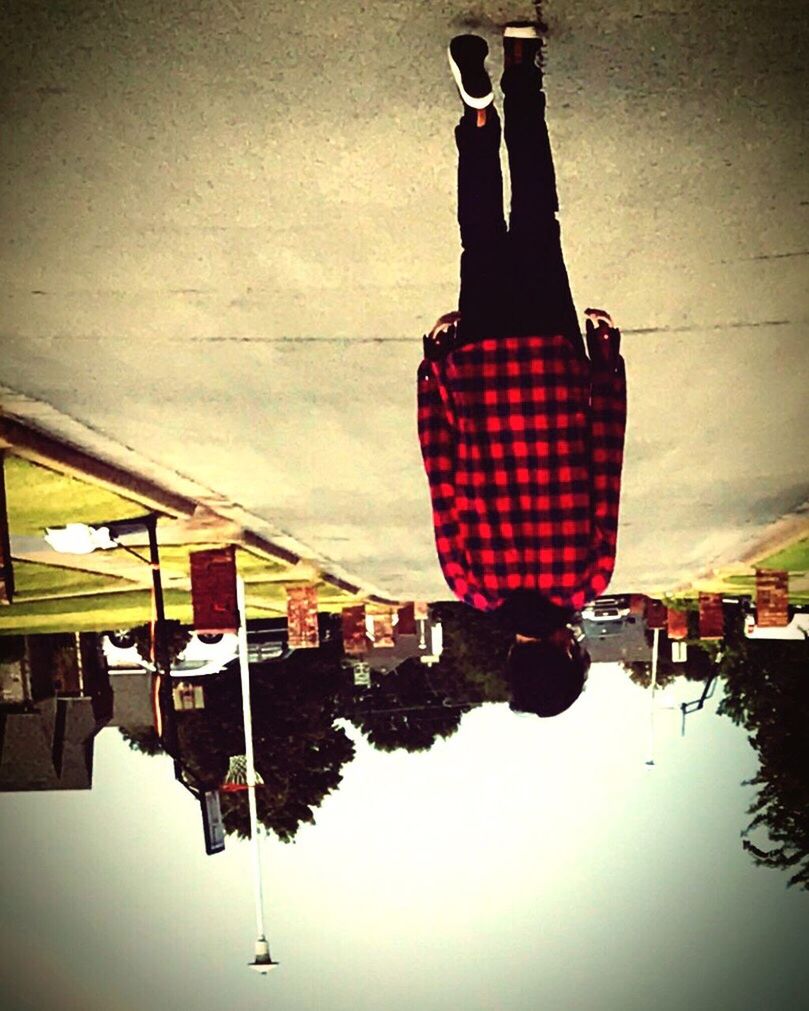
x: 84, y: 538
x: 650, y: 761
x: 262, y: 960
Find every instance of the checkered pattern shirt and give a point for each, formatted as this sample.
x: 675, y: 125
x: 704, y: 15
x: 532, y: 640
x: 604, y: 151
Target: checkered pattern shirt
x: 522, y: 442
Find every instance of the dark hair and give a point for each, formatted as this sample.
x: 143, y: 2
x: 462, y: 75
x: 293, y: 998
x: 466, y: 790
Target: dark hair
x: 543, y: 679
x: 532, y: 613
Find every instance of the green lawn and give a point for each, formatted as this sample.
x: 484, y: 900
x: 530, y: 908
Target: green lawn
x: 794, y: 559
x: 97, y: 612
x: 32, y: 579
x: 38, y: 497
x: 92, y: 613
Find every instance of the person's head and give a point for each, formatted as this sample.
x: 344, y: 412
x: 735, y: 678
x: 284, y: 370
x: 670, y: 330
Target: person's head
x: 546, y: 675
x: 547, y: 666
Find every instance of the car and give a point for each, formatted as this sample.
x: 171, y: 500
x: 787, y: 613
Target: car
x: 267, y: 641
x: 607, y: 609
x: 204, y: 654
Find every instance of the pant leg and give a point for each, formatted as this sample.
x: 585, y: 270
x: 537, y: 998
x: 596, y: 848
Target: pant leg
x: 483, y: 301
x: 542, y: 297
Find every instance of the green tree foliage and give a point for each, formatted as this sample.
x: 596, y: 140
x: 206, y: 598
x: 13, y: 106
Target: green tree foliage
x: 299, y: 751
x: 142, y: 739
x: 409, y: 708
x: 476, y: 646
x: 700, y: 663
x: 640, y: 672
x: 177, y: 638
x: 767, y: 692
x: 415, y: 705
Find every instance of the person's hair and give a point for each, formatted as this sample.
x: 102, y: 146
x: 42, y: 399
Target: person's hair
x: 543, y: 679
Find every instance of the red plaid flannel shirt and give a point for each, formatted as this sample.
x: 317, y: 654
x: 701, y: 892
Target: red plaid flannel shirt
x: 523, y: 445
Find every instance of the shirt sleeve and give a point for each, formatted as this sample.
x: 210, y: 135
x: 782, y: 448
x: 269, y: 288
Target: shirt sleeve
x: 437, y: 436
x: 607, y: 430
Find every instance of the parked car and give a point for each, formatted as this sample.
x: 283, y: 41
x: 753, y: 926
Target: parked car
x: 267, y: 641
x: 607, y: 615
x: 204, y: 654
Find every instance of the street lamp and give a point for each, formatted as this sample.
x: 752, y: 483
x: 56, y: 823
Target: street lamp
x: 650, y: 761
x: 262, y: 961
x: 79, y: 538
x: 83, y: 539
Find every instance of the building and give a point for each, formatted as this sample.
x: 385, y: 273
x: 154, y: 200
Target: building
x: 56, y: 697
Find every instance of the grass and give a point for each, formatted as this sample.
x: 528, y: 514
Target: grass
x: 33, y: 579
x: 125, y: 607
x: 793, y: 559
x: 38, y: 497
x: 98, y: 612
x: 92, y: 613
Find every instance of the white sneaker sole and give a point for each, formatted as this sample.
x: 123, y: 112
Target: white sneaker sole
x: 521, y: 32
x: 470, y: 100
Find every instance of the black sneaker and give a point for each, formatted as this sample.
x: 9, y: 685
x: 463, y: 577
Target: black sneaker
x: 522, y: 44
x: 467, y: 55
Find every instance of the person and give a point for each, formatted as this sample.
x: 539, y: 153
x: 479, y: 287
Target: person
x: 521, y: 433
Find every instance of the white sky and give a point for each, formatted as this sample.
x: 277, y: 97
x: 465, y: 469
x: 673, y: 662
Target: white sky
x: 520, y: 864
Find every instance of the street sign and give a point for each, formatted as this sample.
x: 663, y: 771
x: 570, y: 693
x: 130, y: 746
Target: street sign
x: 213, y: 590
x: 772, y: 598
x: 212, y: 825
x: 362, y: 673
x: 302, y: 629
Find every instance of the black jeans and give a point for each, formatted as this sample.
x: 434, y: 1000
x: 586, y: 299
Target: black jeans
x: 513, y: 281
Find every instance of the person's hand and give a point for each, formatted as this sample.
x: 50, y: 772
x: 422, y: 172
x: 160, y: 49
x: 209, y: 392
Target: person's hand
x: 603, y: 337
x: 439, y: 338
x: 445, y: 323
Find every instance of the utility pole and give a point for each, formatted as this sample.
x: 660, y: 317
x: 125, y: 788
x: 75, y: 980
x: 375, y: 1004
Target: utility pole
x: 650, y: 761
x: 262, y: 961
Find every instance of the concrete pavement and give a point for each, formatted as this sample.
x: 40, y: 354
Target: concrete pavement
x: 226, y: 230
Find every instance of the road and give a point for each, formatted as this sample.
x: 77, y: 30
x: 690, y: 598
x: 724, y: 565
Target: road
x: 226, y: 230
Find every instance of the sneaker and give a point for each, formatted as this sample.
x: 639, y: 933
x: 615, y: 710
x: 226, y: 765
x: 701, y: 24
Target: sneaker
x: 467, y: 55
x: 522, y: 44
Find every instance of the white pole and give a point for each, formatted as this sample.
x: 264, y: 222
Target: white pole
x: 244, y: 669
x: 655, y: 647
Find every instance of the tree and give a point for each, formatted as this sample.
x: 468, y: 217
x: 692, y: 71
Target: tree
x: 700, y: 663
x: 408, y: 708
x: 640, y: 672
x: 177, y: 638
x: 767, y: 692
x: 476, y: 646
x: 299, y: 751
x: 142, y: 739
